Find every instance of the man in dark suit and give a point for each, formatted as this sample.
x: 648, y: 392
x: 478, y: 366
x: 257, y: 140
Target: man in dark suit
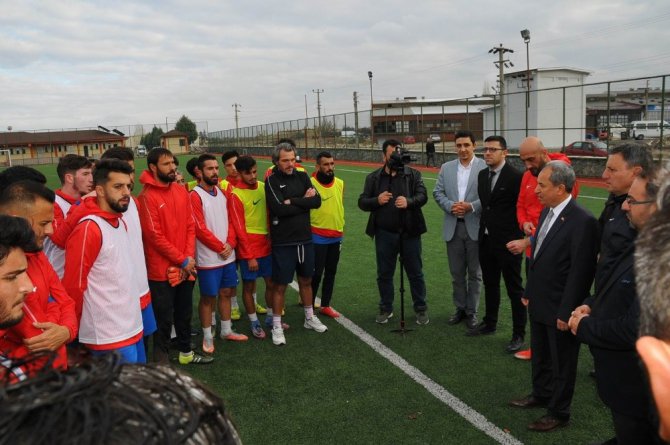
x: 562, y: 266
x: 609, y: 321
x: 498, y: 188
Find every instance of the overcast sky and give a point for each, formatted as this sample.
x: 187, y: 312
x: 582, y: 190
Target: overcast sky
x: 122, y: 63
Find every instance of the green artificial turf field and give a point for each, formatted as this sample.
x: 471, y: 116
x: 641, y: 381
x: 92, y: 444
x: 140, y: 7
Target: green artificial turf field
x: 333, y: 388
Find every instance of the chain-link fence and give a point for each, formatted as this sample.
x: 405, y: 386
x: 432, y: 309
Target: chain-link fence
x: 558, y: 105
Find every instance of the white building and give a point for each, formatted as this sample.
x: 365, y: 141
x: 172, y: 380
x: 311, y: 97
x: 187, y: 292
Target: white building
x: 556, y: 111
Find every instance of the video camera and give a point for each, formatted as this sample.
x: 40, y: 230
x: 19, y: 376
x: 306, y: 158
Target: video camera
x: 399, y: 159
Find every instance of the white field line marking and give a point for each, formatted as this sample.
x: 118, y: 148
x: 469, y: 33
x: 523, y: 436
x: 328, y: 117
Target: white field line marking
x: 475, y: 418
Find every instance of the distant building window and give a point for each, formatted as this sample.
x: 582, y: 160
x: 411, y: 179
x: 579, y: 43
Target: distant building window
x: 182, y: 142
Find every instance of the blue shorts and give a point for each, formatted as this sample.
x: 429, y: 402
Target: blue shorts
x: 149, y: 320
x: 212, y: 280
x: 287, y: 260
x: 264, y: 269
x: 129, y: 354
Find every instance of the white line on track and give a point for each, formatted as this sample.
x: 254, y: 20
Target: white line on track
x: 475, y: 418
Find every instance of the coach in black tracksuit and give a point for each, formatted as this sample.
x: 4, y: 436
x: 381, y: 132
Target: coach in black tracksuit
x: 290, y: 196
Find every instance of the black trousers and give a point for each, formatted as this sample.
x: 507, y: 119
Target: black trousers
x: 326, y: 258
x: 496, y: 261
x: 554, y: 367
x: 171, y: 304
x: 634, y: 430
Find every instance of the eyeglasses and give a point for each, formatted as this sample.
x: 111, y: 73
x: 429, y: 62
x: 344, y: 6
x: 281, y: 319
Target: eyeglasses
x: 632, y: 202
x: 492, y: 149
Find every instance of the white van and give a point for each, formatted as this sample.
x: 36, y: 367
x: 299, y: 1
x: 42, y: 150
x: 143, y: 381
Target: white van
x: 648, y: 129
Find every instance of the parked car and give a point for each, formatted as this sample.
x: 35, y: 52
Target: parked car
x: 585, y: 148
x: 409, y: 140
x: 435, y: 137
x: 648, y: 129
x: 141, y: 150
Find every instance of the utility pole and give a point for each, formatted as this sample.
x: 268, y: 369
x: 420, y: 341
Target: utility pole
x: 501, y: 63
x: 318, y: 109
x: 237, y: 124
x: 356, y: 117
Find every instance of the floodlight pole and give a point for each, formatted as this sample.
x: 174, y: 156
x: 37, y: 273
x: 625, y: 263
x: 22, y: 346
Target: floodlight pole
x: 372, y: 125
x: 525, y: 34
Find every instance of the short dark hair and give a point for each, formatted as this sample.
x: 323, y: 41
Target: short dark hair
x: 323, y: 154
x: 122, y: 153
x: 229, y: 154
x: 203, y: 158
x: 191, y: 165
x: 245, y: 163
x: 16, y: 233
x: 71, y: 163
x: 106, y: 166
x: 122, y: 404
x: 465, y: 134
x: 635, y: 155
x: 20, y: 173
x: 25, y: 192
x: 156, y: 153
x: 390, y: 143
x: 499, y: 139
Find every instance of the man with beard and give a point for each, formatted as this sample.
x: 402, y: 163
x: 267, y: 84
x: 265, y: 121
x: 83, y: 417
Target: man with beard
x: 168, y: 232
x: 16, y: 238
x: 528, y: 208
x: 109, y: 311
x: 215, y: 252
x: 290, y: 196
x: 75, y: 174
x: 50, y: 320
x: 327, y: 230
x: 456, y: 194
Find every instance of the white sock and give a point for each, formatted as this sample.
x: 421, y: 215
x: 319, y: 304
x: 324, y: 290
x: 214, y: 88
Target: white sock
x: 226, y: 327
x: 255, y: 302
x: 309, y: 312
x: 185, y: 354
x: 207, y: 333
x: 269, y: 314
x: 233, y: 302
x: 173, y: 334
x: 253, y: 317
x: 214, y: 320
x: 276, y: 321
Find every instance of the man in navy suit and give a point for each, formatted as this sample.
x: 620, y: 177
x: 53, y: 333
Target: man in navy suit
x: 456, y: 194
x: 498, y: 187
x: 608, y: 323
x: 562, y: 265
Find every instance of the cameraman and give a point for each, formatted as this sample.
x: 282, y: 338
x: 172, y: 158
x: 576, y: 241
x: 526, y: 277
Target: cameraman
x: 394, y: 195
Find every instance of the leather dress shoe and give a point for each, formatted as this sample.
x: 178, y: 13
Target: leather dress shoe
x: 456, y: 318
x: 471, y: 321
x: 481, y: 329
x: 529, y: 401
x: 515, y: 344
x: 547, y: 423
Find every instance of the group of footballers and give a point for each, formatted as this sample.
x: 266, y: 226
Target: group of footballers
x: 109, y: 270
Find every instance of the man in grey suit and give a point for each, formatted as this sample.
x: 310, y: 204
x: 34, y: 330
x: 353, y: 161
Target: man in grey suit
x: 456, y: 194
